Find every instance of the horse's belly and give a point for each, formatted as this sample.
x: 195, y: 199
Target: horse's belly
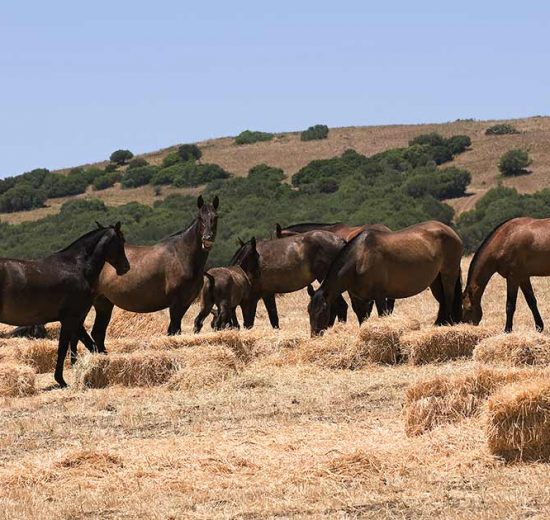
x: 408, y: 282
x: 29, y: 309
x: 285, y: 281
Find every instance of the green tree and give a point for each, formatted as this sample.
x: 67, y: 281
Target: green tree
x: 514, y: 162
x: 121, y: 157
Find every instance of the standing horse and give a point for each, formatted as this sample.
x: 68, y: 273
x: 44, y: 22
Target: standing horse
x: 167, y: 274
x: 60, y: 287
x: 348, y: 233
x: 378, y: 265
x: 287, y: 265
x: 516, y: 249
x: 227, y: 287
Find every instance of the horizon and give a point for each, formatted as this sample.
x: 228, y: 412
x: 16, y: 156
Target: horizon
x: 80, y: 83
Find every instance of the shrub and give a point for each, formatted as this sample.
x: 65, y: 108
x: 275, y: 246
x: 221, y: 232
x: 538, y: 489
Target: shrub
x: 514, y: 162
x: 441, y: 154
x: 107, y: 180
x: 441, y: 184
x: 501, y: 129
x: 249, y: 137
x: 171, y: 159
x: 34, y: 178
x: 121, y: 157
x: 314, y: 133
x: 57, y: 185
x: 197, y: 174
x: 136, y: 177
x: 6, y: 184
x: 189, y: 152
x: 76, y: 206
x: 458, y: 143
x: 328, y: 186
x: 112, y: 167
x: 138, y: 162
x: 265, y: 172
x: 91, y: 174
x: 22, y: 197
x: 432, y: 139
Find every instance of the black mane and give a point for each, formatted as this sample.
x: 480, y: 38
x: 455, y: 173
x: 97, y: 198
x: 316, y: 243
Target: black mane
x: 306, y: 226
x: 86, y: 236
x: 482, y: 247
x: 238, y: 253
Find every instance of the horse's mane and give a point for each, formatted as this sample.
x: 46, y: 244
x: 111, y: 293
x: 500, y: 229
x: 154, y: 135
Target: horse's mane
x: 83, y: 237
x: 237, y: 255
x: 308, y: 225
x: 482, y: 247
x: 181, y: 231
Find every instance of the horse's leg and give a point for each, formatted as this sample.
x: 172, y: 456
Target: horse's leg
x: 390, y: 302
x: 103, y: 312
x: 450, y: 293
x: 249, y: 312
x: 341, y: 309
x: 511, y: 298
x: 86, y: 340
x: 69, y: 329
x: 177, y: 312
x: 206, y: 308
x: 234, y: 320
x: 361, y: 308
x: 271, y: 307
x: 528, y: 293
x: 382, y: 307
x: 437, y: 291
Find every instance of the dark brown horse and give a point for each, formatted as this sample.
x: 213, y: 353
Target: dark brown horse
x: 167, y: 274
x: 60, y: 287
x: 287, y: 265
x: 516, y: 249
x: 348, y: 233
x: 228, y: 287
x: 378, y: 265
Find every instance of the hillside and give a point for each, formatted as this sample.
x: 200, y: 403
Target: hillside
x: 289, y: 153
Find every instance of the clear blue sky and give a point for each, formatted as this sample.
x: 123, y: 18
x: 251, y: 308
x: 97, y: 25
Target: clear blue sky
x: 80, y: 79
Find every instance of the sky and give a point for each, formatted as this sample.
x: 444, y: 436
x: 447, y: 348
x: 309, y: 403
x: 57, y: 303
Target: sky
x: 81, y: 79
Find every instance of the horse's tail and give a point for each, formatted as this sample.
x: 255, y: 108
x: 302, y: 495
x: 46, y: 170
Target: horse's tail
x: 457, y: 301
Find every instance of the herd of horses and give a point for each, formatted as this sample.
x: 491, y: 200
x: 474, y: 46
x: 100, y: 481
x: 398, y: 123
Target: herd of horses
x: 373, y: 264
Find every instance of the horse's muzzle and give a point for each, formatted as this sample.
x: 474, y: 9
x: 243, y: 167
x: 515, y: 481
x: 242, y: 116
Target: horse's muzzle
x: 207, y: 244
x: 123, y: 269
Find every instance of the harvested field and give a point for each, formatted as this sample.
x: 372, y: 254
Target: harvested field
x: 264, y: 424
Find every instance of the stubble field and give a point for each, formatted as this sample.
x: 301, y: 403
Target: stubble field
x: 263, y: 423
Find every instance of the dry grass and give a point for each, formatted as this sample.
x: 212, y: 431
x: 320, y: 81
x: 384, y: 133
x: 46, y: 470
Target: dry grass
x: 517, y: 349
x: 16, y: 380
x: 448, y: 399
x: 437, y: 344
x: 518, y: 421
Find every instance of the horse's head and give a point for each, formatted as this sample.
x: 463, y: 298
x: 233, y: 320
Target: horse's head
x: 208, y: 221
x: 319, y: 312
x: 471, y: 307
x: 248, y: 258
x: 113, y: 247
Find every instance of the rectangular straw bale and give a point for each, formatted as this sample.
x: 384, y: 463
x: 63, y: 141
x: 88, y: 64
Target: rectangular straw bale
x: 17, y: 380
x: 516, y: 349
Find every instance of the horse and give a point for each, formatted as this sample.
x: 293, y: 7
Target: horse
x: 347, y: 233
x: 166, y: 274
x: 516, y: 249
x: 227, y: 287
x: 29, y: 331
x: 62, y: 286
x: 289, y: 264
x: 379, y: 265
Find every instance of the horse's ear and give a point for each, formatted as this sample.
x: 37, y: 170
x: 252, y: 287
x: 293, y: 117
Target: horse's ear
x: 253, y: 243
x: 278, y: 230
x: 99, y: 226
x: 241, y: 243
x: 216, y: 202
x: 310, y: 290
x: 117, y: 226
x: 200, y: 202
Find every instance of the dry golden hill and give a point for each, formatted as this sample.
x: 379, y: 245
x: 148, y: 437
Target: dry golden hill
x: 288, y: 152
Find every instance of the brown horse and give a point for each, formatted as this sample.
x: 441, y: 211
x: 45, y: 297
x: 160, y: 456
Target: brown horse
x: 227, y: 287
x: 516, y: 249
x: 60, y: 287
x: 286, y: 265
x: 167, y: 274
x: 348, y: 233
x: 378, y: 265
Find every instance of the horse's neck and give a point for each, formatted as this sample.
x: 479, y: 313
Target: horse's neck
x: 189, y: 246
x: 483, y: 270
x: 88, y: 255
x: 337, y: 281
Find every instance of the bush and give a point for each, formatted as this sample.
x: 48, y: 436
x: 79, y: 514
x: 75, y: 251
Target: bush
x: 112, y: 167
x: 249, y: 137
x: 57, y: 185
x: 441, y: 154
x: 171, y: 159
x: 135, y: 177
x: 501, y: 129
x: 432, y: 139
x: 138, y: 162
x: 22, y: 197
x: 6, y: 184
x: 189, y: 152
x: 328, y: 186
x: 458, y: 143
x: 34, y: 178
x: 440, y: 184
x: 264, y: 172
x: 314, y: 133
x: 197, y: 174
x: 514, y: 162
x: 107, y: 180
x: 121, y: 157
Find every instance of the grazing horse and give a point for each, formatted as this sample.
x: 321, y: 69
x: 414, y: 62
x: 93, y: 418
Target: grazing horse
x: 286, y: 265
x: 60, y: 287
x: 516, y: 249
x: 166, y: 274
x: 348, y: 233
x: 227, y: 287
x: 379, y: 265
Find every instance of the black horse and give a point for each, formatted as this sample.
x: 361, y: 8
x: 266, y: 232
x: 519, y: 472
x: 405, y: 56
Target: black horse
x: 60, y: 287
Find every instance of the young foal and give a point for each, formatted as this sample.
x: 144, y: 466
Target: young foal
x: 227, y: 287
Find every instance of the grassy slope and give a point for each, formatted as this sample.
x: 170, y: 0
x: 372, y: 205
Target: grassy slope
x: 286, y: 151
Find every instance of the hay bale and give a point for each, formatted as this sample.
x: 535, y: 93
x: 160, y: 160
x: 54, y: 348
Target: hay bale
x: 450, y: 399
x: 517, y: 349
x: 518, y: 421
x: 140, y: 368
x: 204, y: 366
x: 381, y: 337
x: 41, y: 354
x: 125, y: 324
x: 436, y: 344
x: 17, y: 380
